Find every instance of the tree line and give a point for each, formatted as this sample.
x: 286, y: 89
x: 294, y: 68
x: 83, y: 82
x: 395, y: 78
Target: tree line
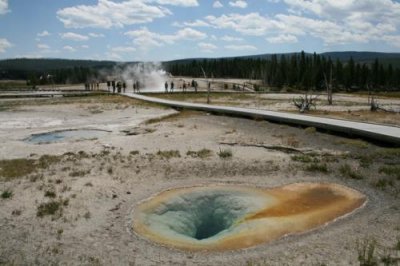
x: 301, y: 71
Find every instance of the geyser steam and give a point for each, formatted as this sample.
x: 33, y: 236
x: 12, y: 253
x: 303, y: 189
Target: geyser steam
x: 150, y: 75
x: 231, y: 217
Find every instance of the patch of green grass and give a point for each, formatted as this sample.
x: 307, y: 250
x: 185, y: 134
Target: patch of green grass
x: 16, y: 168
x: 225, y: 153
x: 366, y: 253
x: 356, y: 143
x: 50, y: 194
x: 7, y: 194
x: 348, y: 172
x: 169, y: 154
x: 316, y: 167
x: 382, y: 183
x: 134, y: 152
x: 310, y: 130
x: 305, y: 158
x: 391, y: 171
x: 203, y: 153
x: 79, y: 173
x: 48, y: 208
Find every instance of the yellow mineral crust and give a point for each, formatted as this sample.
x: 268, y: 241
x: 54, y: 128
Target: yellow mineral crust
x: 247, y: 216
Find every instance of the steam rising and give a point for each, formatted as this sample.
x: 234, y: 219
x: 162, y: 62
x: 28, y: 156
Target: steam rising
x: 150, y: 75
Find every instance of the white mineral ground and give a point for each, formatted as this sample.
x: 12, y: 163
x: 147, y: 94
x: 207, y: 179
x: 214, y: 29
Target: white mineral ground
x: 104, y: 188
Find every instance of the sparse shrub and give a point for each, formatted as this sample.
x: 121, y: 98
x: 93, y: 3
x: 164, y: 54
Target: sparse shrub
x: 6, y: 194
x: 348, y: 172
x: 397, y: 246
x: 382, y: 183
x: 357, y: 143
x: 89, y: 184
x: 310, y: 130
x: 225, y: 154
x: 304, y: 158
x: 317, y: 167
x: 169, y: 154
x: 87, y: 215
x: 366, y: 253
x: 50, y: 194
x: 293, y: 142
x: 391, y: 171
x: 134, y: 153
x: 203, y: 153
x: 48, y: 208
x: 79, y: 173
x: 110, y: 170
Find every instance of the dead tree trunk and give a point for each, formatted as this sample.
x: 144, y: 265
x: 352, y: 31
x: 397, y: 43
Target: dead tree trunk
x: 328, y: 85
x: 304, y: 103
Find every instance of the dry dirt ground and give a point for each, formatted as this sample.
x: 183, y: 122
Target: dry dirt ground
x: 71, y: 202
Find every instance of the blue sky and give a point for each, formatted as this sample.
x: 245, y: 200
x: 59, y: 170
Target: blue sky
x: 158, y: 30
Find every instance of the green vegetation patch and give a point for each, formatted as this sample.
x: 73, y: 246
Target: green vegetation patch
x: 203, y: 153
x: 16, y: 168
x: 169, y: 154
x: 305, y: 158
x: 7, y: 194
x: 392, y: 170
x: 48, y: 208
x: 316, y: 167
x: 225, y: 154
x: 348, y: 172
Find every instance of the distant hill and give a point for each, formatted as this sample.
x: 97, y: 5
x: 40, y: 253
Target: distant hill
x: 359, y: 57
x: 27, y: 65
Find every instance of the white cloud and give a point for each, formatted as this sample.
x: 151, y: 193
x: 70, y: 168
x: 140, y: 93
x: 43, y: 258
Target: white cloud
x: 207, y: 47
x: 43, y: 33
x: 4, y: 45
x: 3, y: 7
x: 196, y: 23
x: 145, y: 39
x: 123, y: 49
x: 74, y: 37
x: 69, y: 48
x: 248, y: 24
x: 85, y: 46
x: 43, y: 46
x: 178, y: 2
x: 108, y: 13
x: 241, y: 47
x: 96, y: 35
x: 282, y: 38
x: 239, y: 3
x: 217, y: 4
x: 227, y: 38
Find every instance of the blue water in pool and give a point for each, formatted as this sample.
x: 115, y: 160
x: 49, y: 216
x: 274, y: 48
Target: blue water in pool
x: 66, y: 135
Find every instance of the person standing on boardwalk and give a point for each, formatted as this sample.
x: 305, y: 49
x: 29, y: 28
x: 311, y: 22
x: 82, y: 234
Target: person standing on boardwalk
x: 134, y: 86
x: 138, y: 86
x: 166, y: 87
x: 124, y: 86
x: 108, y: 85
x: 172, y: 86
x: 113, y: 85
x: 184, y: 87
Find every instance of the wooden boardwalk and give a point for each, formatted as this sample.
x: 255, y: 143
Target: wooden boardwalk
x: 376, y: 132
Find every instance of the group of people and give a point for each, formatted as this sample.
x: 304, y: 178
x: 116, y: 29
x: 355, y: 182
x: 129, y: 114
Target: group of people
x: 118, y: 86
x: 184, y: 86
x: 171, y: 88
x: 92, y: 86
